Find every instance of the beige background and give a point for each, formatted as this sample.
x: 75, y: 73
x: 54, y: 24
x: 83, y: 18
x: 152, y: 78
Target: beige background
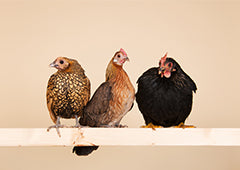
x: 203, y: 36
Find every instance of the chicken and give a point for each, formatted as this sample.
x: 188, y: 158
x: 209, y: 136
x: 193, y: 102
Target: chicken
x: 111, y: 101
x: 164, y: 95
x: 68, y: 91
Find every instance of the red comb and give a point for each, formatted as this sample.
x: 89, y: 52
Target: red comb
x: 163, y: 59
x: 122, y: 51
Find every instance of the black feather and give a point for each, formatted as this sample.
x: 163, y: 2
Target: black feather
x: 165, y: 101
x: 84, y: 150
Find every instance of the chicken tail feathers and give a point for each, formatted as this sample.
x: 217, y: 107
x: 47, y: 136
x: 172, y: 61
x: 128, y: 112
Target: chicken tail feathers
x: 84, y: 150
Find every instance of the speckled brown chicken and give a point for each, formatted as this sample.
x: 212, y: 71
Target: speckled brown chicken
x: 68, y: 91
x: 111, y: 101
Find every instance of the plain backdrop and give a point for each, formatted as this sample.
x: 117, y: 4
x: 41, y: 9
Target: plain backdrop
x: 203, y: 36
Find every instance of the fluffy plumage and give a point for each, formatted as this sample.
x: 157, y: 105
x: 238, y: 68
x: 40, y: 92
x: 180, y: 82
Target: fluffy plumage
x: 165, y: 94
x: 111, y: 101
x: 68, y: 91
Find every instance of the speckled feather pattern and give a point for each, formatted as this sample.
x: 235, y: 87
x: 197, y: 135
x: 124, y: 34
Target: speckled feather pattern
x: 67, y: 94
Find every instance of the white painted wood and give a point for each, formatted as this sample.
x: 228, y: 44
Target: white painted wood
x: 120, y: 136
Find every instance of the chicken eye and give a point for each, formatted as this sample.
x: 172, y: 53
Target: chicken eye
x: 61, y: 61
x: 118, y: 56
x: 169, y: 64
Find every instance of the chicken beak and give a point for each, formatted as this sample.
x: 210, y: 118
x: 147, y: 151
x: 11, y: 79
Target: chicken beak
x: 53, y: 64
x: 161, y: 69
x: 126, y: 58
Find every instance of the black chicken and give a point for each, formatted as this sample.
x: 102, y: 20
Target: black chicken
x: 164, y: 94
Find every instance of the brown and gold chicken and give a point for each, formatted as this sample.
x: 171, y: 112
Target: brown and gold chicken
x: 110, y: 102
x: 68, y: 91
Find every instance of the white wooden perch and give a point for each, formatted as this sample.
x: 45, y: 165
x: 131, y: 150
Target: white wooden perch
x: 120, y: 137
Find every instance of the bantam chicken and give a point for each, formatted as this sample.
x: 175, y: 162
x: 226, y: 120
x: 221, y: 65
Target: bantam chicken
x: 110, y: 102
x: 165, y: 94
x: 68, y: 91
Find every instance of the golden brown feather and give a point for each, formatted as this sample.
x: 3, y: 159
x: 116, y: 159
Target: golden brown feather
x: 111, y: 101
x: 68, y: 91
x: 116, y: 96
